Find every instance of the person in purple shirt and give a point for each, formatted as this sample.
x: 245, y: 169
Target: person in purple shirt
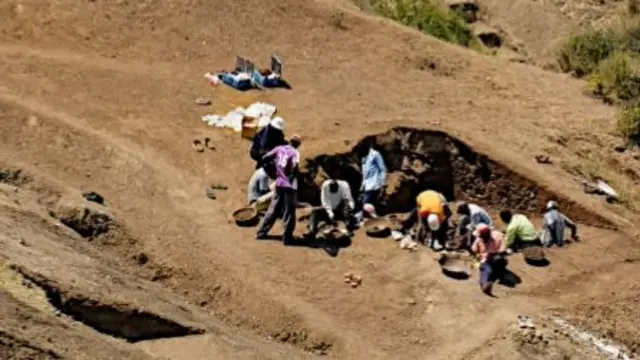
x: 286, y: 159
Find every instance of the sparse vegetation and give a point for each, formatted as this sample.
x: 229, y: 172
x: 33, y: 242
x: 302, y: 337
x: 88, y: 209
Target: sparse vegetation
x: 582, y: 53
x: 617, y: 78
x: 427, y: 17
x: 610, y: 58
x: 628, y: 124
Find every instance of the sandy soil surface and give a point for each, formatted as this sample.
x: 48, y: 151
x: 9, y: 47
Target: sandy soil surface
x: 100, y: 96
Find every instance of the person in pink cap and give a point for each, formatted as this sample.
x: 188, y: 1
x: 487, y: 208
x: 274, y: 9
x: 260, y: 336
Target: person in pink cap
x: 489, y: 247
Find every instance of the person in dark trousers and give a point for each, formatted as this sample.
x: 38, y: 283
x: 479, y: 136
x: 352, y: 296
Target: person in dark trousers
x: 489, y: 248
x: 337, y: 204
x: 555, y: 223
x: 283, y: 204
x: 267, y: 139
x: 374, y: 172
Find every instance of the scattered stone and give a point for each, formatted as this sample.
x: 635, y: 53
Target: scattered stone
x: 411, y: 301
x: 93, y: 197
x: 210, y: 194
x: 203, y: 102
x: 353, y: 280
x: 208, y: 143
x: 88, y: 221
x: 620, y: 148
x: 141, y: 258
x: 198, y: 146
x: 525, y: 322
x: 543, y: 159
x: 219, y: 187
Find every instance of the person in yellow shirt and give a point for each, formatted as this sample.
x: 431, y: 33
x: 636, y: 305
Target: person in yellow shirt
x: 433, y: 212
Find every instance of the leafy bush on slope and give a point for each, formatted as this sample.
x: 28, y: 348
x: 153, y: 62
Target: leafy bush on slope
x: 427, y: 17
x: 611, y: 59
x: 617, y: 78
x: 628, y: 124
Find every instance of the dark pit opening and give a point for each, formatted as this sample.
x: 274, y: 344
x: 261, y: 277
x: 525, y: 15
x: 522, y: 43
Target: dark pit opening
x: 490, y: 39
x: 418, y: 159
x: 120, y: 321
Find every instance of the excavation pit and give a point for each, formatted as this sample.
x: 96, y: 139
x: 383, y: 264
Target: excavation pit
x: 419, y: 159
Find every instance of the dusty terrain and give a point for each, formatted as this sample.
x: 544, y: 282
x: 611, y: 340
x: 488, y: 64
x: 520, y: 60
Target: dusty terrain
x: 99, y: 96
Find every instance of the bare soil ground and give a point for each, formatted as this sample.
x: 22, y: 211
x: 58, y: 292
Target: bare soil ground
x: 99, y: 96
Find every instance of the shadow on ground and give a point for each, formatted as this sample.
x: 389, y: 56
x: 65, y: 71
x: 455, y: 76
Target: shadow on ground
x: 331, y: 247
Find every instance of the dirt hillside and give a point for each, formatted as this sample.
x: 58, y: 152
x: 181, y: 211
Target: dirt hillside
x: 99, y: 96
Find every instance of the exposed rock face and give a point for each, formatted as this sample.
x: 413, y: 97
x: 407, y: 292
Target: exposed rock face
x: 417, y: 160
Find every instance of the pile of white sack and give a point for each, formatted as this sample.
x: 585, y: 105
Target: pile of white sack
x: 259, y: 110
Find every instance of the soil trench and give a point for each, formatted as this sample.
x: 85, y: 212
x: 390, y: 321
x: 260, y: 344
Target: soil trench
x: 417, y: 160
x: 118, y: 321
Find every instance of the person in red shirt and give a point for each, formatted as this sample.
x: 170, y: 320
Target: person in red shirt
x: 489, y: 248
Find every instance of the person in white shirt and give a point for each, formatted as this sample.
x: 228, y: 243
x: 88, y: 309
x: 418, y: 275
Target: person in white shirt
x: 470, y: 216
x: 337, y: 204
x: 258, y: 185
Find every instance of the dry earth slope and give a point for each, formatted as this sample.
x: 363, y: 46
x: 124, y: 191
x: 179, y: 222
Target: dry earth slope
x: 98, y: 95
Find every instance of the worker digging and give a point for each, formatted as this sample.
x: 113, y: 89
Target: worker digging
x: 274, y: 183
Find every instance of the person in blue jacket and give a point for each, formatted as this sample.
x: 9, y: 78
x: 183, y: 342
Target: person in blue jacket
x: 374, y: 172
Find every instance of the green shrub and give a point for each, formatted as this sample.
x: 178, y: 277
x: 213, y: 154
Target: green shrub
x: 628, y: 124
x: 427, y: 17
x: 581, y: 53
x: 617, y: 77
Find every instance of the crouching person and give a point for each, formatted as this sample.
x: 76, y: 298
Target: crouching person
x: 555, y: 223
x: 520, y: 231
x: 432, y: 215
x: 489, y: 248
x: 337, y: 204
x: 470, y: 216
x: 258, y: 185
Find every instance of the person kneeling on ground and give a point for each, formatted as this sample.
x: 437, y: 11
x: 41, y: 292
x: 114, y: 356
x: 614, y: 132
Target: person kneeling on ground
x: 432, y: 213
x: 489, y: 247
x: 520, y: 231
x: 337, y: 204
x: 554, y: 225
x: 470, y: 216
x: 286, y: 159
x: 258, y: 185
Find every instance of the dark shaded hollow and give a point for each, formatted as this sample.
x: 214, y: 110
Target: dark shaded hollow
x: 419, y: 159
x: 490, y: 39
x: 121, y: 322
x: 87, y: 223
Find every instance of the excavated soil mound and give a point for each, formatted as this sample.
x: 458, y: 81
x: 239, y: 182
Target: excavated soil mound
x: 424, y: 159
